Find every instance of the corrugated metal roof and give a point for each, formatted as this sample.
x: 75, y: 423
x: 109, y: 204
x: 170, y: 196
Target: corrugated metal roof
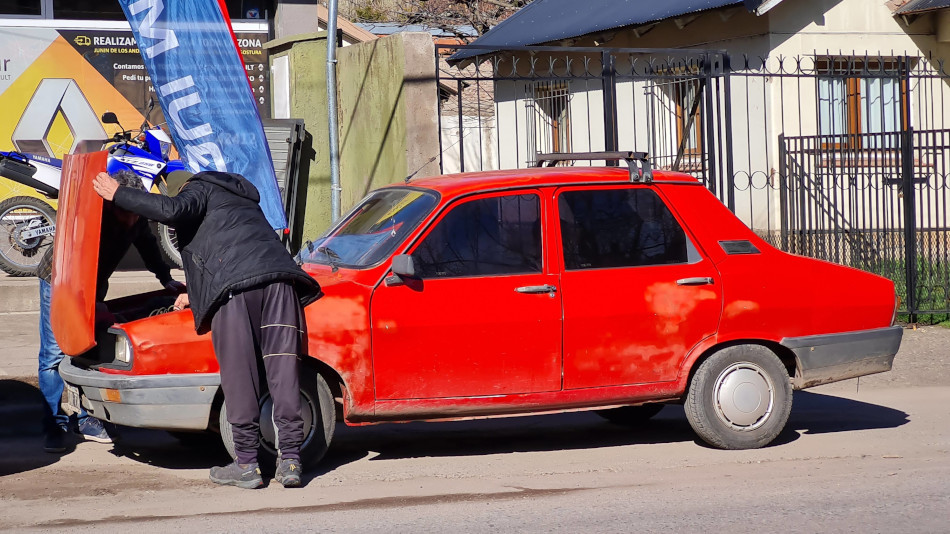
x: 542, y: 21
x: 920, y: 6
x: 389, y: 28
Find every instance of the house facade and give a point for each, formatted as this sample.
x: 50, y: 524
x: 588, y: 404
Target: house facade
x: 822, y: 123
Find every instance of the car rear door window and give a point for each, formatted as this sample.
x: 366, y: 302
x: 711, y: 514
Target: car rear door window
x: 603, y: 228
x: 487, y: 236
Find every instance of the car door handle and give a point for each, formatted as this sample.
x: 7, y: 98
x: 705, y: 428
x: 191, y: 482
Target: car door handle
x: 695, y: 281
x: 536, y: 289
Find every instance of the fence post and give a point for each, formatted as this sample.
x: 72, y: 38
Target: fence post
x: 907, y: 186
x: 727, y: 149
x: 783, y: 191
x: 708, y: 145
x: 611, y: 133
x: 438, y: 107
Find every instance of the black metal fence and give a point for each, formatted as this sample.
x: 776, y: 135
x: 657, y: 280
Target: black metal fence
x: 838, y: 157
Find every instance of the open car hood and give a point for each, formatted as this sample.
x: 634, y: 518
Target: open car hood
x: 76, y: 254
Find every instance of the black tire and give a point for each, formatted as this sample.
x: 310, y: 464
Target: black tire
x: 739, y: 398
x: 319, y: 419
x: 166, y: 234
x: 631, y: 415
x: 20, y: 257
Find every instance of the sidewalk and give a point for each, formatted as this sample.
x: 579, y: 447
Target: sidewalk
x: 19, y: 317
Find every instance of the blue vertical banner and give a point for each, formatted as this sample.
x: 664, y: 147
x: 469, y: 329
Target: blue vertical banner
x: 197, y: 71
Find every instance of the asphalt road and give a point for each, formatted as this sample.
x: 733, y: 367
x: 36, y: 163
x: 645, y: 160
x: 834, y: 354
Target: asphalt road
x: 868, y: 456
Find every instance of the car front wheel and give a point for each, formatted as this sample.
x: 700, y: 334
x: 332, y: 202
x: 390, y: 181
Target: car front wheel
x: 318, y: 410
x: 739, y: 398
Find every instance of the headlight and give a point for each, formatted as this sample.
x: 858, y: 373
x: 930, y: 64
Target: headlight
x: 123, y: 349
x: 166, y: 148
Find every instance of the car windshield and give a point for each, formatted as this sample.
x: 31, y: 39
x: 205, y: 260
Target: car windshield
x: 372, y: 230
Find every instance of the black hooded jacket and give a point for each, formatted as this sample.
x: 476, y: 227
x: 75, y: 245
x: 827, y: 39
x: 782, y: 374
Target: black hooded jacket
x: 226, y: 243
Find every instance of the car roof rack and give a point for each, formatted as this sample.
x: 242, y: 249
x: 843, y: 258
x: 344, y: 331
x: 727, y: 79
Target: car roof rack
x: 638, y: 163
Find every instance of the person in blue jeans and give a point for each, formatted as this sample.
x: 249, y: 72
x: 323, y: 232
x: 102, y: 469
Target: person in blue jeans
x: 55, y: 420
x: 120, y: 230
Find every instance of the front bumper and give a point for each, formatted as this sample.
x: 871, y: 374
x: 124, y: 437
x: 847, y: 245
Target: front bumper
x: 166, y: 402
x: 832, y: 357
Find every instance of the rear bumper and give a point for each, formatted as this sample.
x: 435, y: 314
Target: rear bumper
x: 167, y: 402
x: 832, y: 357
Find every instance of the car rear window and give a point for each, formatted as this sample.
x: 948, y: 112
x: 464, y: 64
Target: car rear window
x: 603, y: 228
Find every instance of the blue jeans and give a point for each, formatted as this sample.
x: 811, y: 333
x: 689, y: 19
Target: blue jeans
x: 51, y: 383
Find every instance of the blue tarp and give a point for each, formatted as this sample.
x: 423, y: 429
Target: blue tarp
x: 542, y: 21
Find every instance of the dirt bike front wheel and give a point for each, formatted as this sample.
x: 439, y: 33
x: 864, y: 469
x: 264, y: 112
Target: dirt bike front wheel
x: 27, y: 225
x: 166, y: 234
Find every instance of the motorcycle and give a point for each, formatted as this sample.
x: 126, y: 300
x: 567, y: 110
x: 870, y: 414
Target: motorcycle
x: 27, y: 224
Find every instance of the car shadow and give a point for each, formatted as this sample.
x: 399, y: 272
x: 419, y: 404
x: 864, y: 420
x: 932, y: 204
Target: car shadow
x: 161, y: 449
x: 812, y: 413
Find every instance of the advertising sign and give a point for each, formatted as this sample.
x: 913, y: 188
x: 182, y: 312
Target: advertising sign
x: 202, y: 85
x: 56, y: 83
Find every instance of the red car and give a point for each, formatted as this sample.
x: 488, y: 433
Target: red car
x: 504, y: 293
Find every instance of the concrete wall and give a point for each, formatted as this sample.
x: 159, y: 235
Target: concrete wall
x: 307, y: 98
x: 388, y: 113
x: 386, y: 88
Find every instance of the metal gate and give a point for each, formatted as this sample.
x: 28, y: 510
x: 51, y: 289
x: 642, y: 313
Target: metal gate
x: 841, y: 158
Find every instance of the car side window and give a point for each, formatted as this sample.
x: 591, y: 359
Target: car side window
x: 619, y: 228
x: 487, y: 236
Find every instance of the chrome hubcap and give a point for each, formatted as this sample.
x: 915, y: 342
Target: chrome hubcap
x: 744, y: 396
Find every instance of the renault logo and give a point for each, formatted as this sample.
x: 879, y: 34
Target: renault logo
x: 54, y: 96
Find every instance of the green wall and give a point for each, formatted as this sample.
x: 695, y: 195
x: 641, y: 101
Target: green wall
x: 388, y: 116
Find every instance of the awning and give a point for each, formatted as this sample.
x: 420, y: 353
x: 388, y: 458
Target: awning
x: 544, y: 21
x: 921, y: 6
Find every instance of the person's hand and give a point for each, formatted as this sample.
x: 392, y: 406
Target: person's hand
x: 175, y: 286
x: 181, y: 302
x: 105, y: 185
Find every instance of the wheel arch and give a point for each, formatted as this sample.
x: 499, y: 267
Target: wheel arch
x: 785, y: 355
x: 333, y: 379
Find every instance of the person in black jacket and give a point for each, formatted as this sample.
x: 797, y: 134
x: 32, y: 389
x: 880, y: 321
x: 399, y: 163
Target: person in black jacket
x: 248, y: 291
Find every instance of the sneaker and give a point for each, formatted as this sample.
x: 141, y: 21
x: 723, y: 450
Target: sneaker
x: 247, y: 476
x: 92, y: 429
x: 288, y: 472
x: 55, y: 440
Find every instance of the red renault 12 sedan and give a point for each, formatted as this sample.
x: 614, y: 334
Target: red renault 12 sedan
x: 504, y: 293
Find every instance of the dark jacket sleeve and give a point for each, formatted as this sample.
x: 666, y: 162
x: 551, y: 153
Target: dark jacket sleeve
x: 148, y: 248
x: 188, y: 205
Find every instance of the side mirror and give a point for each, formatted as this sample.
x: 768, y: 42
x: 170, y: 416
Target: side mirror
x: 109, y: 118
x: 403, y: 267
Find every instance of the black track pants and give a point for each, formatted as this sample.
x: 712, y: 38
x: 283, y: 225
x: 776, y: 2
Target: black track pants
x: 262, y: 324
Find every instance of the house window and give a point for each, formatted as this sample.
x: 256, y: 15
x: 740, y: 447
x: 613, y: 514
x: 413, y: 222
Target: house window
x: 686, y: 96
x: 550, y: 117
x: 859, y: 102
x: 87, y: 10
x: 22, y: 7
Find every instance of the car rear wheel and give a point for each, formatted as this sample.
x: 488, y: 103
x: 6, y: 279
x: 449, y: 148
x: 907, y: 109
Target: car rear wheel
x: 739, y: 398
x: 631, y: 415
x: 319, y: 421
